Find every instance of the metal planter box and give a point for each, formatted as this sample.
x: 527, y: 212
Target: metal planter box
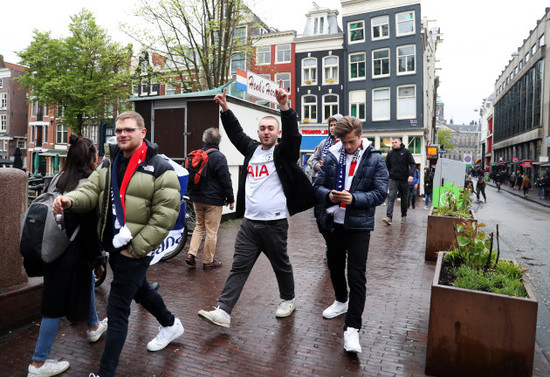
x: 475, y: 333
x: 440, y: 233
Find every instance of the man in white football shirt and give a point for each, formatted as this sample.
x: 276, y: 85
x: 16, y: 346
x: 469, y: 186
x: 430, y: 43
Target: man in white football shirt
x: 271, y: 187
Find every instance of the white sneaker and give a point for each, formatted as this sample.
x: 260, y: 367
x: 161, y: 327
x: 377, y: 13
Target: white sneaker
x: 285, y: 308
x: 49, y: 368
x: 93, y: 375
x: 337, y: 308
x: 217, y: 316
x: 94, y: 335
x: 425, y: 207
x: 165, y: 336
x: 351, y: 340
x: 386, y: 220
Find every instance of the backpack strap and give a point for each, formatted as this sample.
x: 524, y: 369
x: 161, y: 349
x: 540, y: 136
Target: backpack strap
x: 53, y: 183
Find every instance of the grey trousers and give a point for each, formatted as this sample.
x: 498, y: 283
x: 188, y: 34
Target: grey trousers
x: 394, y: 187
x: 254, y: 237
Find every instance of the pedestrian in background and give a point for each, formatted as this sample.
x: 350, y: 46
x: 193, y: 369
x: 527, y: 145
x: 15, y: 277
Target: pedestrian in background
x: 539, y: 184
x: 480, y: 188
x: 519, y: 180
x: 68, y: 281
x: 272, y: 187
x: 209, y: 200
x: 352, y: 182
x: 413, y: 188
x: 401, y: 166
x: 428, y: 187
x: 512, y: 180
x: 321, y: 150
x: 137, y: 195
x: 316, y: 160
x: 525, y: 185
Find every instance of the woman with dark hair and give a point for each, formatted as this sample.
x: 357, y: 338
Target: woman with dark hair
x: 68, y: 280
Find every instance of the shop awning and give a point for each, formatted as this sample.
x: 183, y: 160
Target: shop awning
x: 53, y: 153
x: 310, y: 142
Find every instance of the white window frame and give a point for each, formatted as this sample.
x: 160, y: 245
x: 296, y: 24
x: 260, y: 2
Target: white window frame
x: 61, y: 130
x: 286, y: 77
x: 3, y: 101
x: 364, y: 61
x: 286, y: 52
x: 400, y: 99
x: 1, y: 82
x: 381, y: 60
x: 170, y: 88
x: 358, y: 104
x: 332, y: 69
x: 378, y: 101
x: 263, y: 55
x: 21, y: 144
x: 320, y: 25
x: 380, y: 26
x: 311, y: 70
x: 351, y: 32
x: 152, y: 84
x: 308, y: 108
x: 237, y: 38
x: 233, y: 68
x: 406, y: 57
x: 400, y: 22
x: 334, y: 106
x: 3, y: 123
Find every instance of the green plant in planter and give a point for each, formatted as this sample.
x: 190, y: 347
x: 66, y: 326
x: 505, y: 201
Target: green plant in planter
x: 471, y: 263
x: 455, y: 206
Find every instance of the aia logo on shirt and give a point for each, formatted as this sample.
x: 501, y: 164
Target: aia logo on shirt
x: 258, y: 171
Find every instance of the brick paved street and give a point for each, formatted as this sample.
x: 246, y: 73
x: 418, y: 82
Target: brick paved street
x: 393, y: 337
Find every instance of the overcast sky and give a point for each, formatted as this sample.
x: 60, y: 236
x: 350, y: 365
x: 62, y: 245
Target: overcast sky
x: 479, y: 35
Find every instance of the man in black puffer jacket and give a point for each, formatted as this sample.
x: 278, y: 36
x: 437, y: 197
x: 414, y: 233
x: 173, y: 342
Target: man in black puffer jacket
x: 401, y: 166
x: 353, y: 180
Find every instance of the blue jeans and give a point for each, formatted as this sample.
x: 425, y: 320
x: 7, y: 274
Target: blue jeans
x: 129, y: 283
x: 428, y: 198
x: 353, y: 244
x: 50, y: 326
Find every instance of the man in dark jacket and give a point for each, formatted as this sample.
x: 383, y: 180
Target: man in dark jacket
x: 209, y: 201
x: 271, y: 187
x: 353, y: 180
x: 401, y: 166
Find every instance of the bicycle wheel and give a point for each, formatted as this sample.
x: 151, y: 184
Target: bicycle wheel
x: 190, y: 221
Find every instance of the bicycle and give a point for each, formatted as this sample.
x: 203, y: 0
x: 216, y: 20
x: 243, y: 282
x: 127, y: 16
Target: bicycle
x: 190, y: 222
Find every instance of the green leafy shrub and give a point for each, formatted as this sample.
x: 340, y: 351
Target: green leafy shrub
x: 471, y: 263
x: 455, y: 206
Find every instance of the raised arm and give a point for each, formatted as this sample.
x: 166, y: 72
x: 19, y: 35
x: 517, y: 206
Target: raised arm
x: 221, y: 100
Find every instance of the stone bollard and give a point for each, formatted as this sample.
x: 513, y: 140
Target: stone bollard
x: 20, y: 298
x: 13, y: 199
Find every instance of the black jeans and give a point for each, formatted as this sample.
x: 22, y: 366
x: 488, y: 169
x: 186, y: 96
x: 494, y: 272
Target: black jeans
x: 354, y: 244
x: 129, y: 283
x: 254, y: 237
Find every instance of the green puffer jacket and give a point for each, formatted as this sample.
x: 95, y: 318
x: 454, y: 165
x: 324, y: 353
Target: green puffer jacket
x: 152, y: 199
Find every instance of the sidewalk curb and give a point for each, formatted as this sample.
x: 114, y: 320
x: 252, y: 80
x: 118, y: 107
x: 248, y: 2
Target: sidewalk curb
x: 503, y: 187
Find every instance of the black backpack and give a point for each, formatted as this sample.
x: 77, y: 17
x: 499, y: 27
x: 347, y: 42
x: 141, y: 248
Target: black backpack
x: 43, y: 238
x: 196, y: 164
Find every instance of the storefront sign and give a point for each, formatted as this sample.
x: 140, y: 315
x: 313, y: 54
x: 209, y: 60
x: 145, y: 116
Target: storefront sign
x: 526, y: 163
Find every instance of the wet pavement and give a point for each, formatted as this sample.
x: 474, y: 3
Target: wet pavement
x: 393, y: 337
